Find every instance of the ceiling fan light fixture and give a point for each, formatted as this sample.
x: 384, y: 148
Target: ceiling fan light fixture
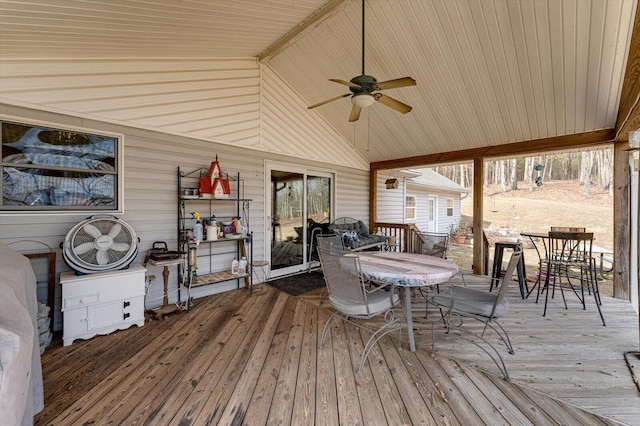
x: 363, y: 100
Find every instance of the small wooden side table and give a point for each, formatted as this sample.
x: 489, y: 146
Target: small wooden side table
x: 166, y: 308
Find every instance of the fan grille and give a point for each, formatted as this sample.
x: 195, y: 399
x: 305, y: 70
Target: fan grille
x: 100, y: 244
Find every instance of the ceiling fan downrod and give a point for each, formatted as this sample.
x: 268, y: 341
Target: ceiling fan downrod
x: 362, y: 37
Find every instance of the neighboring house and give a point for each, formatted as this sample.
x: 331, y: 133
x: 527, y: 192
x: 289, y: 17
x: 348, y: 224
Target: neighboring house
x: 424, y: 198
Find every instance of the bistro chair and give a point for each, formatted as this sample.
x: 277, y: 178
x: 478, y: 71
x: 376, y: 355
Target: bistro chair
x: 431, y: 243
x: 486, y: 307
x: 569, y: 255
x: 353, y: 300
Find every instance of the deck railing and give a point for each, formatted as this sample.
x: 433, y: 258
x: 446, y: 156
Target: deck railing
x: 403, y: 234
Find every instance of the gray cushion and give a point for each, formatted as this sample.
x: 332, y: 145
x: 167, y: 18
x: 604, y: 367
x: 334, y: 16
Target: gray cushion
x: 371, y: 239
x: 468, y: 300
x: 362, y: 229
x: 378, y: 302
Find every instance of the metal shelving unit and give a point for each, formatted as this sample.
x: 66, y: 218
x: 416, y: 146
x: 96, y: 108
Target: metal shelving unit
x: 207, y: 250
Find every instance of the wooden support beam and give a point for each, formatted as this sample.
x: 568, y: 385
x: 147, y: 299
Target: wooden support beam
x: 557, y: 143
x: 478, y: 220
x: 373, y: 199
x: 622, y: 225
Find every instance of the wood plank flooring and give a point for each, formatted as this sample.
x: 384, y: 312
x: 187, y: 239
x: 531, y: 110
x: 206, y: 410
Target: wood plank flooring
x: 236, y: 359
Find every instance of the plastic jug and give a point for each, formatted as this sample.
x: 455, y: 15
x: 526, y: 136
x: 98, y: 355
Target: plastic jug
x: 242, y: 266
x: 212, y: 230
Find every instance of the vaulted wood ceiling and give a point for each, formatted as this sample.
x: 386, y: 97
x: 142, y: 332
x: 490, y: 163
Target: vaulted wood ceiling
x: 489, y: 73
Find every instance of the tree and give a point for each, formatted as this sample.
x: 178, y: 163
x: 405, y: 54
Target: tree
x: 514, y: 176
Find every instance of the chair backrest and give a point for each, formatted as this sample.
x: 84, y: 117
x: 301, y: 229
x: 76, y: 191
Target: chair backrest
x: 566, y: 229
x: 508, y: 277
x: 570, y: 247
x: 431, y: 243
x: 332, y: 242
x: 342, y: 274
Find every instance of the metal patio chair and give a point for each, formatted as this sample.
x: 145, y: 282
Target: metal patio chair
x: 569, y: 255
x: 355, y: 301
x: 484, y: 306
x: 431, y: 243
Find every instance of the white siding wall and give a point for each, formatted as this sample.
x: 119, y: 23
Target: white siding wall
x: 229, y: 101
x: 390, y: 201
x: 150, y: 167
x: 391, y: 205
x: 444, y: 222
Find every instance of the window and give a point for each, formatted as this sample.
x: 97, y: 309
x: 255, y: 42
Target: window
x: 49, y: 169
x: 450, y: 207
x: 410, y: 207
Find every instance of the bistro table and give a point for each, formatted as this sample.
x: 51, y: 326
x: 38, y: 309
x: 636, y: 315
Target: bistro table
x: 406, y: 270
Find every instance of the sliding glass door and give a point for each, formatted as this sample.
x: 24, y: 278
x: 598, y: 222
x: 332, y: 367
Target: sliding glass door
x: 298, y: 198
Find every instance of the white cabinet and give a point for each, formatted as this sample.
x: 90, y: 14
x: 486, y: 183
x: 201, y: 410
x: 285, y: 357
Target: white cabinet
x: 101, y: 303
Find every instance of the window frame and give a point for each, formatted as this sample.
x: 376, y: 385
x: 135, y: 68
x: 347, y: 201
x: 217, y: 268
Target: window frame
x: 71, y: 132
x: 451, y: 210
x: 407, y: 207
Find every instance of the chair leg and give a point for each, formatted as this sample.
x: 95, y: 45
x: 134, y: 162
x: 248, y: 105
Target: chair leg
x: 495, y: 355
x: 546, y: 296
x: 379, y: 334
x: 327, y: 327
x: 596, y: 293
x: 501, y: 332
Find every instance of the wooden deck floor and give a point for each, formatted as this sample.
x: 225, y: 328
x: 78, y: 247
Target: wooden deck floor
x: 237, y: 359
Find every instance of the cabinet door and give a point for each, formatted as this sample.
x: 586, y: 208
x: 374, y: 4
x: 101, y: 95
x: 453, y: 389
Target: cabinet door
x: 75, y: 322
x: 107, y: 314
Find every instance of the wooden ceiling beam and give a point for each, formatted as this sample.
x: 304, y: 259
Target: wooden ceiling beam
x: 279, y: 45
x: 577, y: 140
x: 629, y: 108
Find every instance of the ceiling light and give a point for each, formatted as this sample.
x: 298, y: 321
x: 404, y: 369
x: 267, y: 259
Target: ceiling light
x: 362, y: 100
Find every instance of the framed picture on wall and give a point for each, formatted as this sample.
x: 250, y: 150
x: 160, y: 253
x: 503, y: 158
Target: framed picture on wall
x: 59, y: 169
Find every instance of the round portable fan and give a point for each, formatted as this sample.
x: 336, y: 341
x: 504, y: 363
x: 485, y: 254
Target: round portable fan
x: 100, y: 243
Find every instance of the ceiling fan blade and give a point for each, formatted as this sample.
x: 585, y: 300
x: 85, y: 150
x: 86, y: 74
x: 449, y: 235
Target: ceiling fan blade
x: 355, y: 114
x: 398, y: 82
x: 346, y: 83
x: 328, y: 100
x: 392, y: 103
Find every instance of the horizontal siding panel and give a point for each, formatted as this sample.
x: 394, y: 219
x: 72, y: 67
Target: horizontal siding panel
x: 150, y: 169
x: 302, y: 133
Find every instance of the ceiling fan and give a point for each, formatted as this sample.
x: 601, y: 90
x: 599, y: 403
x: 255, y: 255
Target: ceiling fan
x: 364, y: 89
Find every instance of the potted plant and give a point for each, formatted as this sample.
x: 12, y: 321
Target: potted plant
x: 462, y: 232
x: 458, y: 236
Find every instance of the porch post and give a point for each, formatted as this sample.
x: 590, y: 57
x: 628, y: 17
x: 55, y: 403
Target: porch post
x: 478, y: 221
x: 621, y: 225
x: 373, y: 199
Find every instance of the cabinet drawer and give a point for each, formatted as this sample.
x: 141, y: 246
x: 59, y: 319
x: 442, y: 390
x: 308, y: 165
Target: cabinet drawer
x: 84, y: 300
